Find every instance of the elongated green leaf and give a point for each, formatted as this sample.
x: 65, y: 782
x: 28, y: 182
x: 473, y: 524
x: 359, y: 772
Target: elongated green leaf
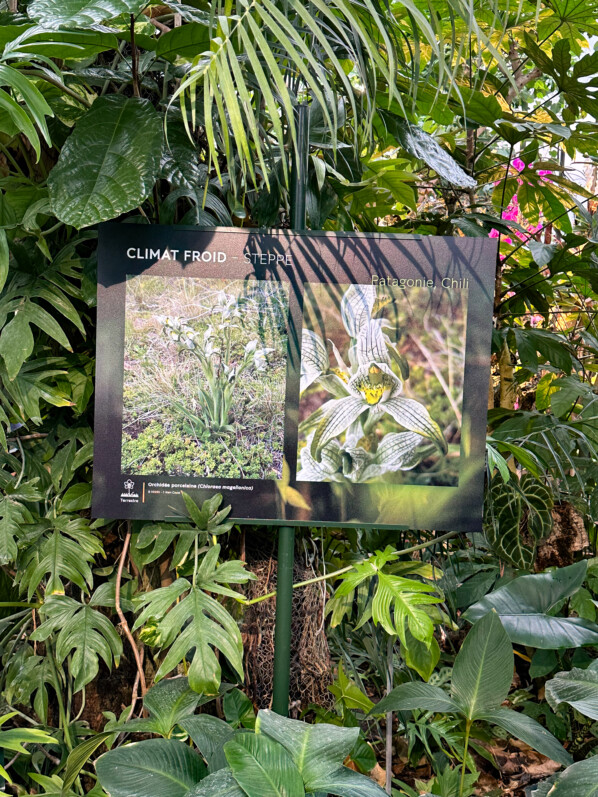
x: 578, y: 688
x: 78, y: 757
x: 80, y: 13
x: 523, y: 605
x: 580, y: 779
x: 262, y: 767
x: 220, y: 784
x: 416, y: 697
x: 344, y: 782
x: 529, y: 731
x: 483, y: 668
x: 317, y: 750
x: 187, y: 41
x: 109, y: 163
x: 4, y: 256
x: 16, y: 343
x: 209, y: 734
x: 153, y: 768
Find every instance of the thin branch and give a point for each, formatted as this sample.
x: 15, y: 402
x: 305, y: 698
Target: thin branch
x: 123, y: 620
x: 340, y: 572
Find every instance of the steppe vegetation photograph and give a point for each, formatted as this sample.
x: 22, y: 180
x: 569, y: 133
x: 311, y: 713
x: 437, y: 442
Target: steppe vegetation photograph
x: 204, y: 377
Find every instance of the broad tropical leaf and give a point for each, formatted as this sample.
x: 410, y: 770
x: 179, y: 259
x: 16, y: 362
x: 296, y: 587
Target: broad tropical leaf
x: 80, y: 631
x: 416, y: 697
x: 198, y: 622
x: 80, y: 13
x: 109, y: 163
x: 219, y: 784
x: 523, y: 607
x: 529, y: 731
x: 580, y: 779
x: 483, y: 668
x: 209, y: 734
x: 578, y: 688
x: 317, y: 750
x: 153, y: 768
x: 263, y: 767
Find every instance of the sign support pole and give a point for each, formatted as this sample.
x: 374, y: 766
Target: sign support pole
x: 286, y: 534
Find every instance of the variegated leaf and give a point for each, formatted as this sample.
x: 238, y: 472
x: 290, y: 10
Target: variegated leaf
x: 414, y: 416
x: 356, y: 307
x: 314, y: 358
x: 338, y: 416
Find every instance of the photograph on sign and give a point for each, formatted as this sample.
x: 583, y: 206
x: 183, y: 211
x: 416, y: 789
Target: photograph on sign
x: 204, y: 377
x: 381, y: 385
x: 311, y: 378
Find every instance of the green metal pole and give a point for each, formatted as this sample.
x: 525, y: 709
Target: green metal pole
x: 286, y: 534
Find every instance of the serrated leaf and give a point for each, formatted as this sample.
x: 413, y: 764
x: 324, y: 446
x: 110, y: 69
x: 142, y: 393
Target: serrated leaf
x: 109, y: 163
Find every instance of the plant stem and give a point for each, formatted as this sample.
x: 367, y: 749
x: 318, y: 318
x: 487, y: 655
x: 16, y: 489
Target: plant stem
x: 468, y: 724
x: 64, y: 721
x: 18, y: 605
x: 390, y: 644
x: 123, y: 620
x: 340, y: 572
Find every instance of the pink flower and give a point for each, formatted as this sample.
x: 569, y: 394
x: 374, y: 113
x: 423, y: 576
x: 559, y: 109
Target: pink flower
x: 516, y: 404
x: 535, y: 320
x: 518, y: 164
x: 507, y: 240
x: 493, y: 234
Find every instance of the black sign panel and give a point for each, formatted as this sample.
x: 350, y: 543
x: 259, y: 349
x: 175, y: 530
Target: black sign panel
x: 311, y: 378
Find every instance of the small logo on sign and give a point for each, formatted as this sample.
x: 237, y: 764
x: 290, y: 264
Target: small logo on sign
x: 129, y: 496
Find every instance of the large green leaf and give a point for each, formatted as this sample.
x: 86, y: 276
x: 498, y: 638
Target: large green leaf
x: 416, y: 697
x: 80, y: 13
x: 209, y: 734
x: 345, y: 782
x: 578, y: 688
x: 579, y: 780
x: 109, y: 163
x: 523, y: 605
x: 167, y: 703
x: 529, y: 731
x: 317, y: 750
x: 153, y: 768
x: 483, y: 668
x: 80, y: 630
x: 198, y: 622
x: 262, y: 767
x: 220, y: 784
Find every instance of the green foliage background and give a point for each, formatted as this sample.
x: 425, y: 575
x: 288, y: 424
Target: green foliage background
x: 428, y: 118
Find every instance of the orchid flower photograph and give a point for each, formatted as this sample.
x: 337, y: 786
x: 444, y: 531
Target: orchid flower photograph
x: 381, y: 384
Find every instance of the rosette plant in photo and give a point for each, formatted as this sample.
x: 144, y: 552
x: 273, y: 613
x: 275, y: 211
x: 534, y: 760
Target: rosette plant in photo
x: 222, y: 360
x: 344, y: 438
